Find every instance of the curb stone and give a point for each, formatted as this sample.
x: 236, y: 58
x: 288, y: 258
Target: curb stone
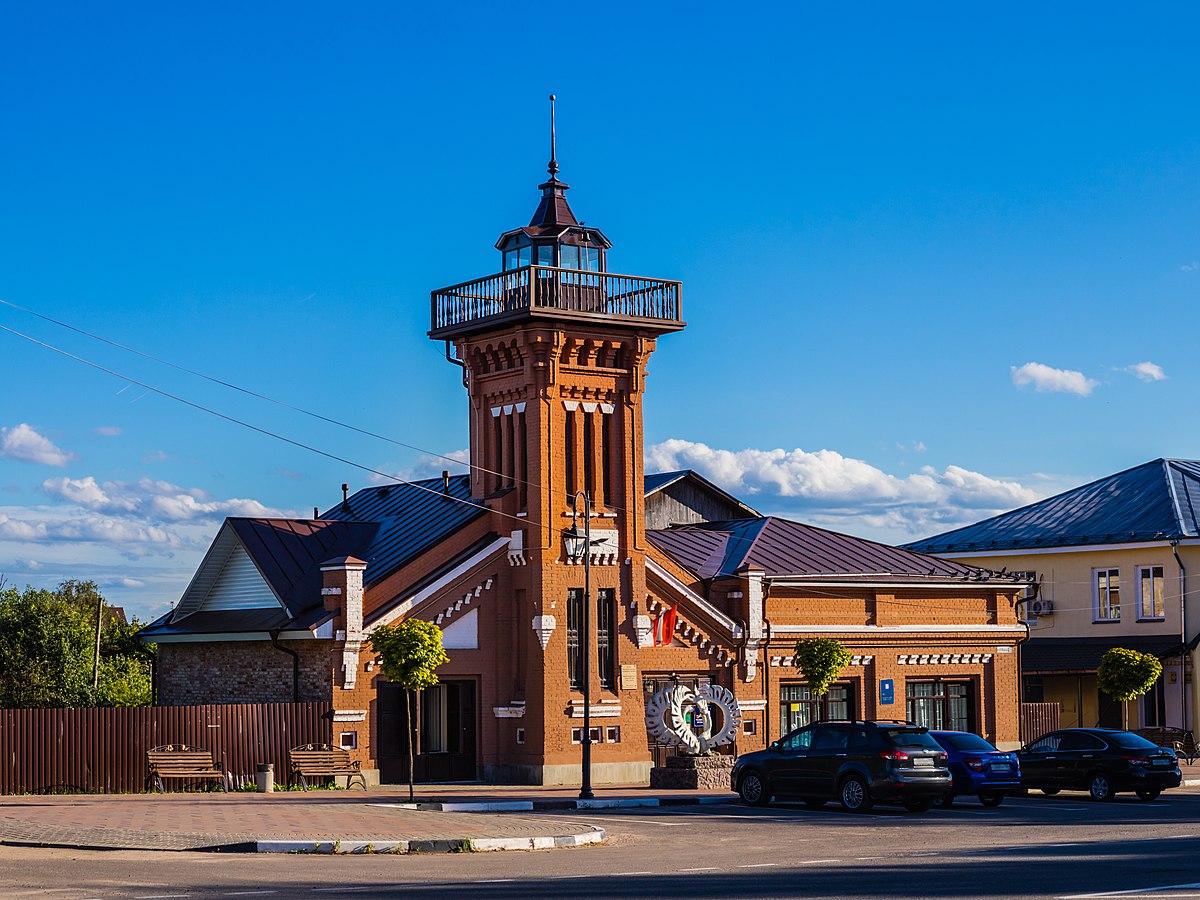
x: 458, y: 845
x: 556, y: 805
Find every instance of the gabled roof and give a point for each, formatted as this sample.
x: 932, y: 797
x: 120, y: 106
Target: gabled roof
x: 660, y: 481
x: 412, y: 517
x: 1156, y: 501
x: 782, y: 548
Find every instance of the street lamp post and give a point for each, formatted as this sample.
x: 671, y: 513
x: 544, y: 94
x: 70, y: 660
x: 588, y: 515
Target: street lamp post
x: 579, y: 546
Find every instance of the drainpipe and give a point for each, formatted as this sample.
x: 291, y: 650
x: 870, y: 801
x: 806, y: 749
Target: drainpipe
x: 767, y: 666
x: 1183, y: 638
x: 458, y: 362
x: 295, y: 664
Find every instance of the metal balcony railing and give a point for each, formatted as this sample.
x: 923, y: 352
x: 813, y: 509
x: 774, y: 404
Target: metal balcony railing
x: 537, y: 291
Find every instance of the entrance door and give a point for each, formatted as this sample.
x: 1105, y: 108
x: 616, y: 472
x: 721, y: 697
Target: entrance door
x: 444, y: 721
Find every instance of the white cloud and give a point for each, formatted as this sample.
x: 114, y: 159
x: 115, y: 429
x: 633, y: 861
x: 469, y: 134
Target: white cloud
x: 1146, y: 371
x: 24, y: 443
x: 826, y: 488
x: 157, y: 501
x: 108, y: 431
x: 156, y: 456
x: 1190, y: 267
x: 914, y: 447
x: 1047, y: 378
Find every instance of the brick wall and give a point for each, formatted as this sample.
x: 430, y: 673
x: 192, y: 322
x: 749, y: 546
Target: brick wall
x: 240, y: 672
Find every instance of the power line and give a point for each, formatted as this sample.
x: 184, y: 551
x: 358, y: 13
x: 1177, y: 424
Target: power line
x: 255, y: 428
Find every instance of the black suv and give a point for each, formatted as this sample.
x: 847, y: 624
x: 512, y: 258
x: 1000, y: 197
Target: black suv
x: 855, y: 762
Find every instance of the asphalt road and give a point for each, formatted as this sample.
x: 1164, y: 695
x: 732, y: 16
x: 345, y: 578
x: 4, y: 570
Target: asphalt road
x: 1064, y: 846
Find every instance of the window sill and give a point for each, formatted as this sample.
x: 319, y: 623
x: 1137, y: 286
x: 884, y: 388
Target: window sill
x: 1154, y: 619
x: 1106, y: 621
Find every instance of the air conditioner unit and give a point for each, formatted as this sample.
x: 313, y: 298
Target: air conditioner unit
x: 1043, y: 607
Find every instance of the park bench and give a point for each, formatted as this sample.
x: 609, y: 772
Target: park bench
x: 323, y: 761
x: 1179, y: 740
x: 181, y: 762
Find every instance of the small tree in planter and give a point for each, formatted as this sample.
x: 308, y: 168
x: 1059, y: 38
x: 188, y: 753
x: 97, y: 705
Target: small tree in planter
x: 1126, y: 674
x: 408, y: 655
x: 820, y: 661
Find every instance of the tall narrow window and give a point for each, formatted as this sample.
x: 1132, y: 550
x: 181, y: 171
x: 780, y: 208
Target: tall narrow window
x: 523, y: 461
x: 1151, y: 603
x: 510, y: 450
x: 589, y: 450
x: 1107, y: 595
x: 610, y: 462
x: 574, y: 657
x: 604, y: 490
x: 569, y: 454
x: 497, y: 466
x: 606, y: 637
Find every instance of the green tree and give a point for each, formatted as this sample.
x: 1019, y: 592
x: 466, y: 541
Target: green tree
x: 48, y: 650
x: 409, y: 654
x: 1126, y: 674
x: 820, y: 661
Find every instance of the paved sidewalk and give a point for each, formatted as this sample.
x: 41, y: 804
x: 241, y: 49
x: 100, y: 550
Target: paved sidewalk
x: 323, y: 821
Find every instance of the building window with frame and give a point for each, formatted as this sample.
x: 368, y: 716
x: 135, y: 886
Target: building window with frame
x: 574, y: 657
x: 1151, y: 599
x: 1154, y: 705
x: 606, y: 637
x: 798, y: 707
x: 1106, y: 592
x: 940, y: 705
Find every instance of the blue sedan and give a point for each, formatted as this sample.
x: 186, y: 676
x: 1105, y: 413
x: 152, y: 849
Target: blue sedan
x: 978, y: 768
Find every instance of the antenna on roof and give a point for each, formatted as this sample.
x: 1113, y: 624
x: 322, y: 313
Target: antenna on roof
x: 316, y: 512
x: 553, y: 167
x: 445, y: 481
x: 346, y: 496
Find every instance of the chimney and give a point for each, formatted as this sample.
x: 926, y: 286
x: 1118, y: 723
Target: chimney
x: 345, y: 496
x: 316, y: 512
x: 446, y: 482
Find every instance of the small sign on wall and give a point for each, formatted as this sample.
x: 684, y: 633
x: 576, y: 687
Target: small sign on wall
x: 887, y: 691
x: 629, y: 678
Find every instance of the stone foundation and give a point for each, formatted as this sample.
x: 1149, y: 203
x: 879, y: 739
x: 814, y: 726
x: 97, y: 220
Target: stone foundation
x: 704, y: 773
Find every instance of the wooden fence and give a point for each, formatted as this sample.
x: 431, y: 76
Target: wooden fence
x: 104, y: 750
x: 1038, y: 719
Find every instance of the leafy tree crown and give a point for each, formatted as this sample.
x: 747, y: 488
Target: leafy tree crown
x: 1125, y: 674
x: 820, y: 661
x: 409, y: 653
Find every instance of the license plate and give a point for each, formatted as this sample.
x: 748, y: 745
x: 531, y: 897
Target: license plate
x: 1161, y: 762
x: 1001, y: 767
x: 923, y: 762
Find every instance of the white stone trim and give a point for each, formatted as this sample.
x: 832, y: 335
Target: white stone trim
x: 570, y: 405
x: 752, y: 705
x: 787, y: 661
x: 496, y: 410
x: 695, y: 599
x: 942, y: 659
x: 607, y: 408
x: 432, y: 589
x: 349, y: 715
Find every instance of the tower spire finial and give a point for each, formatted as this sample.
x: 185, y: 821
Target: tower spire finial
x: 553, y: 167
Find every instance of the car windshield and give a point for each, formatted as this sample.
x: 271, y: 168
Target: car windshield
x: 1128, y: 741
x: 968, y: 743
x: 910, y: 737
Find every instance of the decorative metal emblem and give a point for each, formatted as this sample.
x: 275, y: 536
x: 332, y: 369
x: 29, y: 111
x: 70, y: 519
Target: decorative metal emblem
x: 695, y: 719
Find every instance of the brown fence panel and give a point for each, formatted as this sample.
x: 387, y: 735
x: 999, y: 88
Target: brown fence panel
x: 1038, y: 719
x: 104, y: 750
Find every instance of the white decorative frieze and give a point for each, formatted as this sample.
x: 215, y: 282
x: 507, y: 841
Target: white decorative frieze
x: 942, y: 659
x: 604, y: 549
x: 349, y: 715
x: 786, y: 661
x: 515, y: 710
x: 605, y: 709
x: 331, y: 591
x: 516, y: 549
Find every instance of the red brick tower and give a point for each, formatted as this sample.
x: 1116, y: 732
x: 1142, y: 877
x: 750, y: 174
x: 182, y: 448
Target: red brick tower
x: 554, y: 352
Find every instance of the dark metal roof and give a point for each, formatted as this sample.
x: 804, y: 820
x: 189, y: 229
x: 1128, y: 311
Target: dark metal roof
x: 659, y: 480
x: 553, y: 211
x: 782, y: 548
x: 235, y: 621
x: 1158, y: 500
x: 1083, y: 654
x: 412, y: 517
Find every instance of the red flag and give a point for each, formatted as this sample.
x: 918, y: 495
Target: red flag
x: 664, y: 631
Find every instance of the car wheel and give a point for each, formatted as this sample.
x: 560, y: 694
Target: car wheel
x: 1101, y: 788
x: 1049, y: 792
x: 854, y: 795
x: 946, y: 800
x: 991, y: 800
x: 814, y: 802
x: 754, y: 790
x: 922, y: 805
x: 1148, y: 795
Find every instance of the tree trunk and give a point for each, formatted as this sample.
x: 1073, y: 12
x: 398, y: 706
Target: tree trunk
x: 411, y: 738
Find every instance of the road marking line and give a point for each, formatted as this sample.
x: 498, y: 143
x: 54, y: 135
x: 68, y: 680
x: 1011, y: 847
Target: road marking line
x: 1146, y: 890
x: 758, y: 866
x: 1178, y: 836
x: 865, y: 858
x: 624, y: 874
x: 494, y: 880
x: 700, y: 869
x: 813, y: 862
x: 248, y: 893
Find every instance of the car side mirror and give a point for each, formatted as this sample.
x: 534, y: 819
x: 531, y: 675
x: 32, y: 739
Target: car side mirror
x: 774, y: 746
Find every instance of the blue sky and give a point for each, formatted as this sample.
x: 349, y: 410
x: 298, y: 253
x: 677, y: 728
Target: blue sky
x: 923, y: 249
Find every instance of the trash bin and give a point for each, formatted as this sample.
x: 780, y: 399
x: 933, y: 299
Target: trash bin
x: 265, y: 778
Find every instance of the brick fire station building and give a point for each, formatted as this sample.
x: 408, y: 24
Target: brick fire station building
x: 553, y: 353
